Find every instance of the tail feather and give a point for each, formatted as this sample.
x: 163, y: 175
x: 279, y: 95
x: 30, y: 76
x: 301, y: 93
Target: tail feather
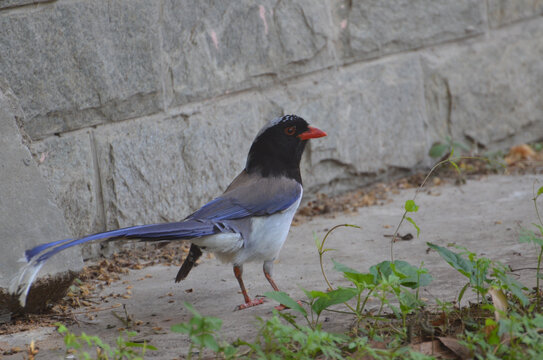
x: 37, y: 256
x: 190, y: 261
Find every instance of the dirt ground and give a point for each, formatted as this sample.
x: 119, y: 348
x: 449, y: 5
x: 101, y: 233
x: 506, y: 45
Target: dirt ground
x: 484, y: 215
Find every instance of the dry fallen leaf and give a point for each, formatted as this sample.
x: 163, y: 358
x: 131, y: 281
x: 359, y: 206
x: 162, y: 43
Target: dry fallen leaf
x: 519, y: 152
x: 434, y: 348
x: 500, y: 303
x: 454, y: 345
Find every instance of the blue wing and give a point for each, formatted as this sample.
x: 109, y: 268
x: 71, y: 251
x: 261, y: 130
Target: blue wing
x: 246, y: 196
x: 262, y: 198
x: 252, y: 197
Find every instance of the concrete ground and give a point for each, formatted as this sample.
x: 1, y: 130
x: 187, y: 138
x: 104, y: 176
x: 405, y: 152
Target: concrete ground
x: 484, y: 215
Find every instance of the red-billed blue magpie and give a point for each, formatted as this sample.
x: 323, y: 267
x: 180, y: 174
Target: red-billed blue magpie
x: 248, y: 222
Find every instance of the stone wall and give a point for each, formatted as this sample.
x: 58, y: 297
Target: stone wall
x: 139, y: 111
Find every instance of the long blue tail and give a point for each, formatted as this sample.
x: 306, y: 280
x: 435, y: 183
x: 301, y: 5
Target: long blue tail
x: 37, y: 256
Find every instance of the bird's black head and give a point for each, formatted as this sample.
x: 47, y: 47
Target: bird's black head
x: 278, y: 147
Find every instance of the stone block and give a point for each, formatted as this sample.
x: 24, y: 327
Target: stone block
x: 161, y: 169
x: 6, y: 4
x: 214, y: 47
x: 68, y: 165
x: 81, y: 63
x: 30, y: 216
x: 487, y: 92
x: 503, y: 12
x: 373, y: 28
x: 374, y: 115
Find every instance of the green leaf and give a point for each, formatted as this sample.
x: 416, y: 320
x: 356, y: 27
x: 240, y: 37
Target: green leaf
x: 512, y: 285
x: 192, y: 309
x: 317, y: 240
x: 361, y: 280
x: 410, y: 276
x: 182, y: 328
x: 385, y: 269
x: 539, y: 191
x: 455, y: 166
x: 414, y: 224
x: 461, y: 294
x: 334, y: 297
x: 410, y: 206
x: 313, y: 294
x: 438, y: 150
x: 212, y: 322
x: 461, y: 146
x: 414, y: 277
x: 283, y: 298
x: 358, y: 278
x: 492, y: 338
x: 209, y: 342
x: 343, y: 268
x: 540, y: 228
x: 408, y: 301
x: 528, y: 236
x: 461, y: 264
x: 140, y: 345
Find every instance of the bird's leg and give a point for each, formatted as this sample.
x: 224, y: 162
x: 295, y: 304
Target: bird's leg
x: 238, y: 271
x: 268, y: 267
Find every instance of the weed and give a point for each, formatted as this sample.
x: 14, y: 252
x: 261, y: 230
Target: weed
x: 75, y: 345
x: 528, y: 236
x: 440, y: 149
x: 482, y: 273
x: 202, y: 333
x: 515, y: 337
x: 280, y: 340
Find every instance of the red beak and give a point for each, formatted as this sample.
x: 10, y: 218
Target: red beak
x: 311, y: 133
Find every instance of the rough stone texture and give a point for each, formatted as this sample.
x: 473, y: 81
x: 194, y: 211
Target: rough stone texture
x: 6, y: 4
x: 162, y: 169
x: 67, y: 163
x: 484, y: 93
x: 503, y: 12
x: 374, y: 117
x: 30, y: 215
x: 372, y: 28
x: 82, y: 63
x: 215, y: 47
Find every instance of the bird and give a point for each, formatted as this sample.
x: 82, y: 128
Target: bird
x: 249, y: 222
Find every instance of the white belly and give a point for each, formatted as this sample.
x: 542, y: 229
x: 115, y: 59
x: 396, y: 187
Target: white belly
x: 267, y: 236
x: 263, y: 242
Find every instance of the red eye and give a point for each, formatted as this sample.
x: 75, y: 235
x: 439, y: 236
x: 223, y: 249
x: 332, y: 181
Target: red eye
x: 290, y: 130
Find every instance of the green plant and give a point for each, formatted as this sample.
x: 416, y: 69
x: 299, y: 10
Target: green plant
x: 538, y: 146
x: 202, y: 333
x: 440, y: 149
x: 481, y: 273
x: 76, y: 344
x: 286, y: 340
x: 385, y: 280
x: 528, y: 236
x: 515, y: 337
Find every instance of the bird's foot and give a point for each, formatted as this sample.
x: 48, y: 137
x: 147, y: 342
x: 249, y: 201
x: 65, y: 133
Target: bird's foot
x: 284, y: 307
x: 250, y: 303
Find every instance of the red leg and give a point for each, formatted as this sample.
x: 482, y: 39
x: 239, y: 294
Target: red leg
x: 270, y: 279
x: 238, y: 271
x: 268, y: 265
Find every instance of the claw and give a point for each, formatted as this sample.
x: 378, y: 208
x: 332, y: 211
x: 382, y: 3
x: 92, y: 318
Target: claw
x: 250, y: 303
